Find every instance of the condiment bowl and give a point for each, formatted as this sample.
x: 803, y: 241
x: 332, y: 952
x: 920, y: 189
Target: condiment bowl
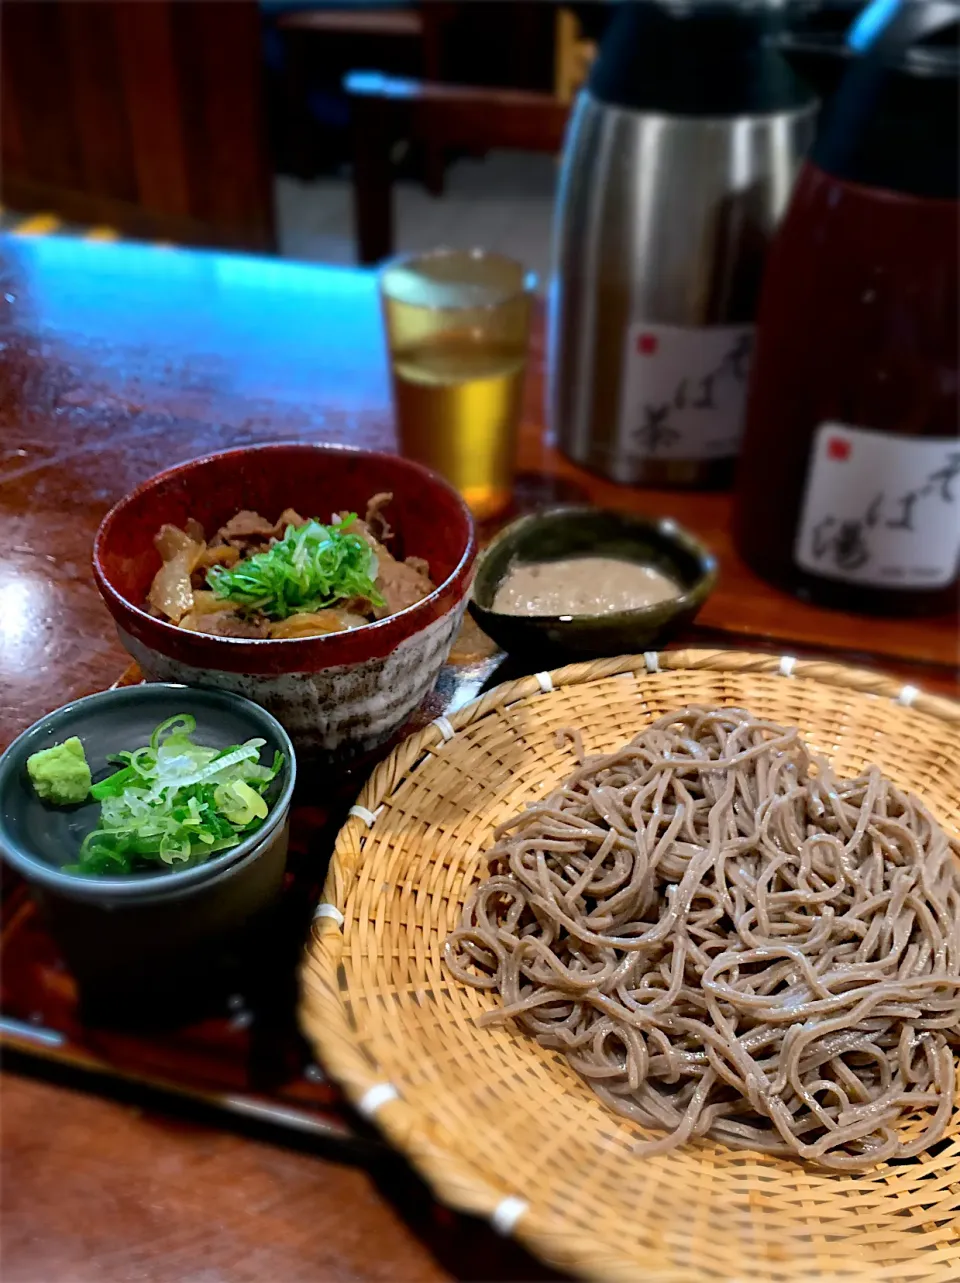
x: 583, y: 531
x: 137, y: 933
x: 340, y: 694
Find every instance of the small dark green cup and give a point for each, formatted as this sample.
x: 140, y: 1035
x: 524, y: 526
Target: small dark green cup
x: 149, y: 941
x: 580, y: 532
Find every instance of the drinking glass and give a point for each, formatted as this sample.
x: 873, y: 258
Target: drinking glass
x: 458, y: 329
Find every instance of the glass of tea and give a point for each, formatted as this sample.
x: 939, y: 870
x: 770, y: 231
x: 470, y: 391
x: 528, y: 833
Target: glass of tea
x: 458, y: 329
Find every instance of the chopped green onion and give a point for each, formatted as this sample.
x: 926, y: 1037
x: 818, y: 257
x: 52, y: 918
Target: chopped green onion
x: 240, y: 803
x: 176, y: 803
x: 311, y: 568
x: 114, y: 784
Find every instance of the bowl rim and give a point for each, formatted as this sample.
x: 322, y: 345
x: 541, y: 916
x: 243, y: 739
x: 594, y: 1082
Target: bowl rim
x: 288, y: 654
x: 669, y: 527
x: 143, y: 886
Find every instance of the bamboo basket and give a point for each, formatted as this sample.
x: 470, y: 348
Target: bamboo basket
x: 503, y: 1128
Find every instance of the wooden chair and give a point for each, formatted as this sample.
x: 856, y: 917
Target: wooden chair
x: 418, y: 27
x: 468, y: 117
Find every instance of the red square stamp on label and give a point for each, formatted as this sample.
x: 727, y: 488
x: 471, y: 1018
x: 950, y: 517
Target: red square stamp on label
x: 839, y: 449
x: 647, y: 344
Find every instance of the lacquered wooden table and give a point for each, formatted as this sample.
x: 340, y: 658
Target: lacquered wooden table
x: 116, y: 361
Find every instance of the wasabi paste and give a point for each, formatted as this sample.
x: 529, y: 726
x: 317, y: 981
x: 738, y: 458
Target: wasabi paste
x: 60, y: 774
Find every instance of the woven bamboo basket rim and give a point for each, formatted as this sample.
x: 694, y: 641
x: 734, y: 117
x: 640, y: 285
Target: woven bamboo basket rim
x: 900, y: 1224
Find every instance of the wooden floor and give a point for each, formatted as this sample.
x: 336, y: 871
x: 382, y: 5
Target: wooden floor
x: 503, y: 202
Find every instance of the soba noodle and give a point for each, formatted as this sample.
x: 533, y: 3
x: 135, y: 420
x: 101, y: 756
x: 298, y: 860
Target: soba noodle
x: 727, y: 940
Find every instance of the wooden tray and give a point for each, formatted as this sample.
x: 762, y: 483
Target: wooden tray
x: 247, y: 1059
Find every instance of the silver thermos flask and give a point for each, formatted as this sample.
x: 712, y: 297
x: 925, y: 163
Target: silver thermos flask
x: 679, y: 160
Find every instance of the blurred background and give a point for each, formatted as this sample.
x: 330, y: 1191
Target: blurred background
x: 335, y: 131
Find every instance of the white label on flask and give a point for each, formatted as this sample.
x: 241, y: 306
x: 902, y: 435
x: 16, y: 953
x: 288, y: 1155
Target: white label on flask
x: 683, y: 390
x: 881, y: 509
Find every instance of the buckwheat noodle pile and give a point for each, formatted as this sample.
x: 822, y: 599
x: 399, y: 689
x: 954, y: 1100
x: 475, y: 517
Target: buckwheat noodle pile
x: 725, y: 939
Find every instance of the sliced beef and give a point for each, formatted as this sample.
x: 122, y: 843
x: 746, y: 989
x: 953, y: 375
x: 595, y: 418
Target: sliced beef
x: 248, y: 532
x: 245, y: 530
x: 358, y: 527
x: 226, y: 623
x: 374, y: 519
x: 222, y: 554
x: 218, y: 555
x: 401, y: 585
x: 419, y: 564
x: 289, y: 517
x: 358, y: 606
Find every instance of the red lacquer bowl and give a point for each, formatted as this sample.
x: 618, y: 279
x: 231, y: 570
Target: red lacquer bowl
x: 345, y: 690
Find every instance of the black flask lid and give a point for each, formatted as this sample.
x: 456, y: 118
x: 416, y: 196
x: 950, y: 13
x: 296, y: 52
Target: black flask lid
x: 894, y: 122
x: 697, y: 58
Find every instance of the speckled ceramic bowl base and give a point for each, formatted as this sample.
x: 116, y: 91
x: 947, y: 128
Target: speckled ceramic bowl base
x: 347, y: 709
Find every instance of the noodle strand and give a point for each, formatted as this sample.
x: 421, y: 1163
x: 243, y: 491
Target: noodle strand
x: 725, y: 939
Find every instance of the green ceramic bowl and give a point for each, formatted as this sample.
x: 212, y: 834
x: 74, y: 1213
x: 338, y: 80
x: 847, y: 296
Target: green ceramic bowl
x: 147, y: 935
x: 581, y: 531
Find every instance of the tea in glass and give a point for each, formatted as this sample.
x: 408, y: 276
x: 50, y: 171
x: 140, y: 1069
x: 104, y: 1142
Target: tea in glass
x: 458, y: 325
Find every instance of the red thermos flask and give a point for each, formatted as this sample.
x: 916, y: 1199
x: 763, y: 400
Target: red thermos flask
x: 849, y: 485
